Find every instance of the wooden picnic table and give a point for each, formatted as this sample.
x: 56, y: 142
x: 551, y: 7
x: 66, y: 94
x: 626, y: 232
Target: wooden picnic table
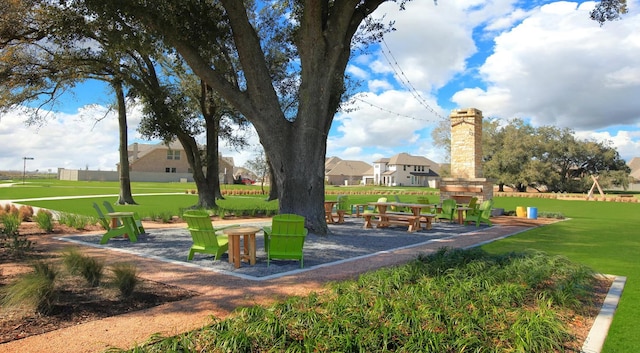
x: 328, y: 213
x: 411, y: 220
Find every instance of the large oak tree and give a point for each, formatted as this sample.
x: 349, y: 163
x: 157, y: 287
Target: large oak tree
x: 317, y: 37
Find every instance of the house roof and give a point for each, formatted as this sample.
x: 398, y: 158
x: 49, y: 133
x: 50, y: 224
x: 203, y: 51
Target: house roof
x: 344, y: 167
x: 382, y: 160
x: 634, y: 164
x: 407, y: 159
x: 330, y: 163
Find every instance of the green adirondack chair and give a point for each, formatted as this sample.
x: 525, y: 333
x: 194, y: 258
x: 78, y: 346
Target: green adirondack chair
x: 285, y: 238
x: 125, y: 228
x: 482, y: 215
x: 396, y: 208
x: 104, y: 222
x: 343, y: 204
x: 448, y: 209
x: 136, y: 217
x: 372, y: 209
x: 425, y: 200
x: 205, y: 239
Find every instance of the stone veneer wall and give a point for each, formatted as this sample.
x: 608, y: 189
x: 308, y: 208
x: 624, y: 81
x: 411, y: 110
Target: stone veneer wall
x: 466, y: 143
x: 466, y: 159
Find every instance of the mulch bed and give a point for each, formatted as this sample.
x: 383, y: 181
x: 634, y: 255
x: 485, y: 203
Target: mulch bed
x: 77, y: 302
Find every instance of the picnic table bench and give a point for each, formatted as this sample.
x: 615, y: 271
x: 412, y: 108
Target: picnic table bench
x: 386, y: 219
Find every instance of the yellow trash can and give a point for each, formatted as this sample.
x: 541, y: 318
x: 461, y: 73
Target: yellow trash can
x: 521, y: 211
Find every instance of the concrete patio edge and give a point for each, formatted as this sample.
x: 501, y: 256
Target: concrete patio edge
x: 600, y: 328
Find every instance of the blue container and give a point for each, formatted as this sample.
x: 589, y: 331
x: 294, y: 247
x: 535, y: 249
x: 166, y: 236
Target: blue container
x: 532, y: 212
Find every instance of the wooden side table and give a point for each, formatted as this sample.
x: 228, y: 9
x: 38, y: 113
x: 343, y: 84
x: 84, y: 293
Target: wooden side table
x: 249, y: 253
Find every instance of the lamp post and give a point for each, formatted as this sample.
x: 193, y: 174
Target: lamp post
x: 24, y: 166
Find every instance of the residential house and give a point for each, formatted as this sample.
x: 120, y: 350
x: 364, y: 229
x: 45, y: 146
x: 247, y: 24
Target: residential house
x: 404, y: 169
x: 634, y: 164
x: 162, y: 158
x: 345, y: 172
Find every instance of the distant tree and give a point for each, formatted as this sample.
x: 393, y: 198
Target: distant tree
x: 547, y: 157
x: 609, y: 10
x: 508, y: 154
x: 441, y: 136
x: 259, y: 166
x: 42, y: 58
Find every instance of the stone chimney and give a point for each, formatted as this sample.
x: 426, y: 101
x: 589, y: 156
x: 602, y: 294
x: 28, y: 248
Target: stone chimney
x: 466, y: 143
x: 466, y: 179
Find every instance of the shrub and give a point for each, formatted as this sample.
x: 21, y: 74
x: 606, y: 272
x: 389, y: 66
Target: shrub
x: 126, y: 278
x: 92, y: 270
x: 35, y: 289
x: 76, y: 221
x: 44, y: 219
x: 10, y: 224
x: 72, y: 260
x: 25, y: 213
x: 10, y: 237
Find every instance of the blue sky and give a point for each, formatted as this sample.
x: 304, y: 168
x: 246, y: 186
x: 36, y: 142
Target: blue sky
x: 542, y: 61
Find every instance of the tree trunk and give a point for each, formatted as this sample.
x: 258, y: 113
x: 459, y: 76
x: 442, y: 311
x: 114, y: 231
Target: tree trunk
x: 298, y: 171
x: 206, y: 196
x: 125, y: 197
x: 212, y: 119
x: 273, y: 186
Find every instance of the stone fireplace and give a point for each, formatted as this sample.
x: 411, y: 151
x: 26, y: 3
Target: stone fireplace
x: 466, y: 179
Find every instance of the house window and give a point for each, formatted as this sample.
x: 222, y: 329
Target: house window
x: 169, y: 170
x: 174, y: 155
x: 404, y: 168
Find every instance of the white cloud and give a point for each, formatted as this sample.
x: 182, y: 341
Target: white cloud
x: 379, y: 85
x: 64, y: 140
x: 560, y: 68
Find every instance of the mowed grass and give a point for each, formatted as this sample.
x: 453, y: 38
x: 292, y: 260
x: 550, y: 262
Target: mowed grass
x: 600, y: 235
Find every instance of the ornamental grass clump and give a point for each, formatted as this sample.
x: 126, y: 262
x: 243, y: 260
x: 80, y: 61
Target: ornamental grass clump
x: 76, y: 221
x: 78, y: 264
x: 125, y: 278
x: 35, y: 290
x: 44, y: 219
x: 451, y: 301
x: 10, y: 238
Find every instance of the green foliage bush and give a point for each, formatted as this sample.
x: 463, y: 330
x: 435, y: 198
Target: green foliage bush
x: 10, y: 237
x: 76, y: 221
x: 126, y: 278
x: 451, y: 301
x: 72, y: 260
x: 44, y: 219
x: 10, y: 223
x: 35, y: 289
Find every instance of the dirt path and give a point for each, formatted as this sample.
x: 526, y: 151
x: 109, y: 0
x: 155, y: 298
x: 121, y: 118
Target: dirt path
x: 221, y: 294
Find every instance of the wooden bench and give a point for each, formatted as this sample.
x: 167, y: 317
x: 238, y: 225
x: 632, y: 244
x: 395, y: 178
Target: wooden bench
x: 427, y: 218
x: 386, y: 219
x: 340, y: 215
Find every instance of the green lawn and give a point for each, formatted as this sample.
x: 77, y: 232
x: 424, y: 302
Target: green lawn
x: 601, y: 235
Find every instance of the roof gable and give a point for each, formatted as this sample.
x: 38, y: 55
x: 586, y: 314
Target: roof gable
x: 349, y: 168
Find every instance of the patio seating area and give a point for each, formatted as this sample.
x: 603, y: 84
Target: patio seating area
x: 223, y: 290
x: 347, y: 241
